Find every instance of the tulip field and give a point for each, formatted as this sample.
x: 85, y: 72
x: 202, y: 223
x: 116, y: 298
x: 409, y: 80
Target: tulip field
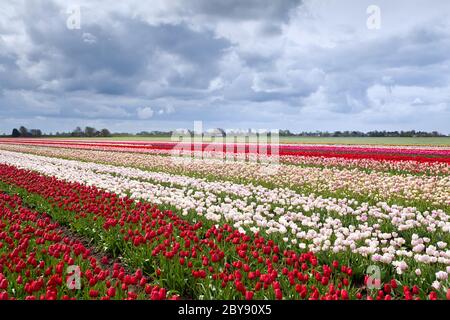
x: 98, y: 219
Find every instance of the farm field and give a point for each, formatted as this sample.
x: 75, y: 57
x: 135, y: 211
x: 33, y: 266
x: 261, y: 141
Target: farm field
x: 406, y: 141
x: 152, y: 219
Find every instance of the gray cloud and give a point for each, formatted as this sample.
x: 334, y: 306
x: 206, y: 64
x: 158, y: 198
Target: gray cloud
x: 244, y: 10
x: 294, y: 64
x: 122, y: 54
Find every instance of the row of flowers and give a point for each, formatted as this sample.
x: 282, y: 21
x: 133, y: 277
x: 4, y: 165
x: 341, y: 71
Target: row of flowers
x: 196, y: 259
x: 38, y: 260
x: 337, y: 227
x: 250, y: 146
x: 385, y: 165
x: 434, y: 190
x: 411, y: 166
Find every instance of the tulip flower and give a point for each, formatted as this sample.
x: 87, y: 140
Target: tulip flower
x: 219, y: 256
x: 249, y: 295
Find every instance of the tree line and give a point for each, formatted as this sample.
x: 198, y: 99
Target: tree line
x: 93, y: 132
x: 410, y: 133
x: 23, y: 132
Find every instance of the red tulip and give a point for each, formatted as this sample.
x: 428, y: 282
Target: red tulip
x: 415, y: 289
x: 111, y: 292
x: 4, y: 284
x: 394, y: 284
x: 278, y: 294
x: 345, y: 282
x: 4, y: 296
x: 249, y: 295
x: 93, y: 293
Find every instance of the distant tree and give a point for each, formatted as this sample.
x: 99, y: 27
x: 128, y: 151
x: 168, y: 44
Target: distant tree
x: 105, y: 133
x: 89, y: 131
x: 285, y: 133
x: 35, y: 133
x: 15, y: 133
x: 77, y: 132
x: 23, y: 131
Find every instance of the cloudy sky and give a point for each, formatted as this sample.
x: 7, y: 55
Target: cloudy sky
x: 155, y: 65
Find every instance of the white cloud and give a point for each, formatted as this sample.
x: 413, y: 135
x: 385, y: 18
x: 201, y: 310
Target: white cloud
x: 216, y: 84
x: 145, y: 113
x: 417, y: 101
x: 168, y: 109
x: 89, y: 38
